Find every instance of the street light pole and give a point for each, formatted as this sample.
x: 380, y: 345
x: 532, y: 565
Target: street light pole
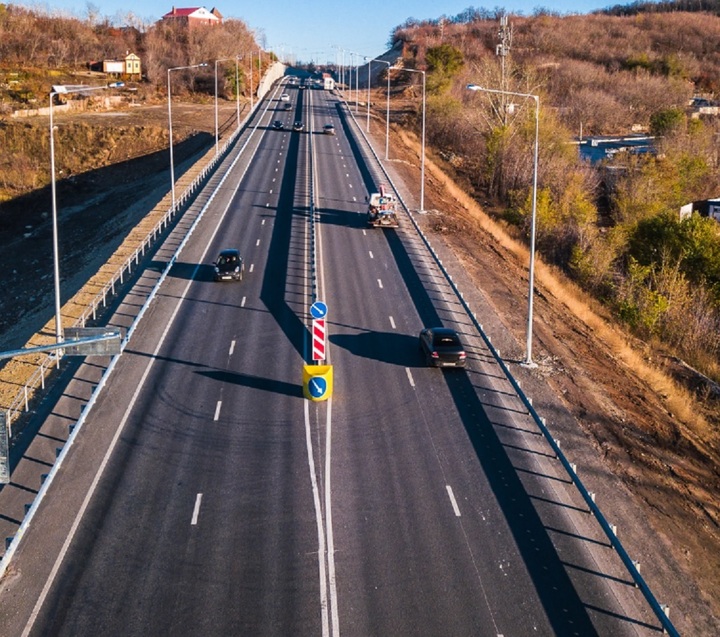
x: 251, y: 80
x: 387, y: 109
x: 237, y: 88
x: 170, y: 130
x: 58, y: 90
x: 422, y: 152
x: 367, y: 124
x: 528, y: 362
x: 217, y: 128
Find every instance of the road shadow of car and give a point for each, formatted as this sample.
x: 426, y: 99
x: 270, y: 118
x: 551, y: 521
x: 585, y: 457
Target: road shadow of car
x: 386, y: 347
x: 192, y: 271
x: 254, y: 382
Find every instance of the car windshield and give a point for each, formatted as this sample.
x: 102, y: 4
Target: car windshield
x: 227, y: 260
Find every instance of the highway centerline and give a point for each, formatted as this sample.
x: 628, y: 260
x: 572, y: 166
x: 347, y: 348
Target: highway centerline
x: 196, y: 510
x: 410, y: 377
x: 453, y: 501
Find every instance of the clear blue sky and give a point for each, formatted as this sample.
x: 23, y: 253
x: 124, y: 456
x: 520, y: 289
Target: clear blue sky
x: 309, y: 30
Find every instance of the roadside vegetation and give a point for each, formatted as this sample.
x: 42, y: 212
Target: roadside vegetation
x: 614, y: 228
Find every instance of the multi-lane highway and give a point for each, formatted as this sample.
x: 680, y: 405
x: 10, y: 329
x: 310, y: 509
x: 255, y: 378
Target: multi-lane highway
x: 219, y: 501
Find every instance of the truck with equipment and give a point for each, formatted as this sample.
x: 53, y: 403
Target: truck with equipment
x: 382, y: 211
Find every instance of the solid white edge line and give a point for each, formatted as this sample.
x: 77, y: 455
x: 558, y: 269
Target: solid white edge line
x: 328, y: 523
x: 452, y: 500
x: 101, y: 469
x: 217, y: 410
x: 410, y: 377
x: 196, y: 510
x: 318, y: 522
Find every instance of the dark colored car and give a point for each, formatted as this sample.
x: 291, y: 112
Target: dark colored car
x: 298, y: 126
x: 229, y: 266
x: 287, y: 106
x: 329, y: 129
x: 277, y: 125
x: 442, y: 347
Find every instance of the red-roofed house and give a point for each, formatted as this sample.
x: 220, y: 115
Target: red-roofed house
x: 194, y: 16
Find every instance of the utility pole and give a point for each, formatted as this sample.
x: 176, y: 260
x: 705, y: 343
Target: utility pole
x: 503, y: 50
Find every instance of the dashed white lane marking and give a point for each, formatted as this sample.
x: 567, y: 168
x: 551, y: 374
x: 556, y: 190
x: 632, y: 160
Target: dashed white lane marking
x: 263, y: 222
x: 350, y: 185
x: 410, y: 377
x: 271, y: 191
x: 364, y: 233
x: 196, y: 510
x: 242, y: 303
x: 232, y: 344
x: 354, y: 198
x: 380, y: 283
x: 257, y: 243
x: 371, y: 254
x: 453, y: 501
x: 252, y: 267
x: 392, y: 323
x: 217, y: 410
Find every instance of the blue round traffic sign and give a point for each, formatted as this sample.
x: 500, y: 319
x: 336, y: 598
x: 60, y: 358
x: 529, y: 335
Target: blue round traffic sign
x: 318, y: 310
x: 317, y: 386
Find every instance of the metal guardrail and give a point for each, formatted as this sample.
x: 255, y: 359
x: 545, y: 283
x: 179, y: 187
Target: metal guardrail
x: 21, y: 403
x: 661, y: 611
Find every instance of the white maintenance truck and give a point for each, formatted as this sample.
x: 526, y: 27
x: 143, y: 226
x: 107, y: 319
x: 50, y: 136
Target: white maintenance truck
x: 382, y: 209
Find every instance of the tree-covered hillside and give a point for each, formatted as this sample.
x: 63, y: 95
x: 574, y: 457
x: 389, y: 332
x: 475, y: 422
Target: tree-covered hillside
x: 614, y: 227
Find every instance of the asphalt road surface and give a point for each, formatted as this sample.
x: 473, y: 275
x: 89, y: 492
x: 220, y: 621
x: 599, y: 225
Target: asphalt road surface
x: 219, y: 501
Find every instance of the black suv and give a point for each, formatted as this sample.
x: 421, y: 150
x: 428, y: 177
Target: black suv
x: 229, y: 266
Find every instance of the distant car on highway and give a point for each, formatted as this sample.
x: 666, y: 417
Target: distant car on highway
x: 229, y: 266
x: 298, y: 126
x: 329, y: 129
x: 284, y: 97
x: 442, y: 347
x: 278, y: 125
